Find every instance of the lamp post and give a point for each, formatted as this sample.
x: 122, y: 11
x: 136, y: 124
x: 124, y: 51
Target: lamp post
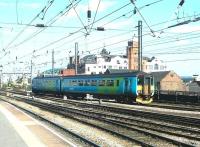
x: 1, y: 69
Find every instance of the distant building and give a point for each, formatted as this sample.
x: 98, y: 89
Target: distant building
x: 168, y: 80
x: 194, y: 86
x: 98, y: 64
x: 148, y: 64
x: 153, y: 65
x: 58, y: 72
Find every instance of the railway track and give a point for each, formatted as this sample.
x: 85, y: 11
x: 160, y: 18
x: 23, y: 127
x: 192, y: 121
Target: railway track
x: 188, y: 121
x: 83, y: 140
x: 173, y: 106
x: 132, y: 125
x: 176, y: 106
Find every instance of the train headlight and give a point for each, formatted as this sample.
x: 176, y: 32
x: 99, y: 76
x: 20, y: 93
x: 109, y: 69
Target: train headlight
x: 139, y: 91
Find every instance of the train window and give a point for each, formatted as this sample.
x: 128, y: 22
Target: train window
x: 101, y: 82
x: 70, y: 82
x: 140, y: 81
x: 110, y: 83
x: 74, y: 83
x: 117, y: 82
x: 87, y: 83
x: 152, y: 82
x: 80, y: 82
x: 94, y: 83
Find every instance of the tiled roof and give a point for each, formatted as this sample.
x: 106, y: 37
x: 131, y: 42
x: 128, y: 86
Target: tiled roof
x: 158, y: 76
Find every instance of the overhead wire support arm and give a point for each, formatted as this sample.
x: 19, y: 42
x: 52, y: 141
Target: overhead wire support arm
x: 46, y: 8
x: 79, y: 17
x: 137, y: 10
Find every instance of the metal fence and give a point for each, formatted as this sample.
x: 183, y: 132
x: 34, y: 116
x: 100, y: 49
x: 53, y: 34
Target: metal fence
x: 177, y: 96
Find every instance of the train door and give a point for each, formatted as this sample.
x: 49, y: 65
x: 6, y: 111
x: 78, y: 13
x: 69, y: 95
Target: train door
x: 148, y: 83
x: 147, y: 86
x: 126, y: 86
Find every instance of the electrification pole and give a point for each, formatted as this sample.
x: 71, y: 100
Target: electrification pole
x: 31, y: 72
x: 53, y: 63
x: 76, y: 52
x: 140, y: 45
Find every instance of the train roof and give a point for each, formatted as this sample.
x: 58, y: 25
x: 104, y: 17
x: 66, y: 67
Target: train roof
x: 124, y: 74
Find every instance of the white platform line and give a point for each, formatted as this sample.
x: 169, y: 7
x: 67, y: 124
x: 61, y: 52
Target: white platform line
x: 29, y: 138
x: 51, y: 130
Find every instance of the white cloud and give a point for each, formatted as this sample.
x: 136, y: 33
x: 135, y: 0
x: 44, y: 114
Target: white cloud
x: 29, y: 5
x: 182, y: 42
x: 82, y: 8
x: 185, y: 29
x: 119, y: 25
x: 20, y: 5
x: 94, y: 3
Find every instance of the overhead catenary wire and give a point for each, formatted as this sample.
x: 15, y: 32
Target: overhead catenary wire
x: 50, y: 22
x: 95, y: 14
x: 56, y: 41
x: 19, y: 34
x: 79, y: 17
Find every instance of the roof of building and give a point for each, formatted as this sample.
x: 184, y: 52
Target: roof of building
x: 194, y: 86
x: 92, y: 58
x: 115, y: 71
x: 158, y: 76
x: 49, y: 71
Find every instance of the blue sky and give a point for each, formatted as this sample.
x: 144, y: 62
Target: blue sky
x: 21, y: 41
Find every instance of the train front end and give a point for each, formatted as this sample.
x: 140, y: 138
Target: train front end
x: 145, y: 89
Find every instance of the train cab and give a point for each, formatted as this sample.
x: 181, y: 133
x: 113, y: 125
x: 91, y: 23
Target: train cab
x: 145, y: 89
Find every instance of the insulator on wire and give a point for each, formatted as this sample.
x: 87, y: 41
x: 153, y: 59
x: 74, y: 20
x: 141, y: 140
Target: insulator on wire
x: 181, y: 3
x: 89, y: 13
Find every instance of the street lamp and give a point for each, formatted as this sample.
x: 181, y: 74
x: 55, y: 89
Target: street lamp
x: 1, y: 69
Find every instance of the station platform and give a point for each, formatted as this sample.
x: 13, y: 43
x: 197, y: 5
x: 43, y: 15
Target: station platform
x: 18, y: 129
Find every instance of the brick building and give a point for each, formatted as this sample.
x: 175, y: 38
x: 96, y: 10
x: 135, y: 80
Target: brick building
x: 168, y: 80
x: 148, y: 64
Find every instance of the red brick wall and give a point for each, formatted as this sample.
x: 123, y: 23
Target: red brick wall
x: 172, y: 82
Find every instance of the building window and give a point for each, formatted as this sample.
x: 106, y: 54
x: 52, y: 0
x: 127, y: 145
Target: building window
x: 120, y: 67
x: 125, y: 61
x: 99, y: 66
x: 156, y: 67
x: 104, y: 67
x: 94, y: 66
x: 110, y: 67
x: 162, y: 67
x: 88, y: 68
x: 125, y: 67
x: 150, y: 67
x: 118, y: 62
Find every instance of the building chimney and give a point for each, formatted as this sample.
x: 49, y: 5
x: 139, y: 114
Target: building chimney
x: 133, y: 55
x: 70, y: 60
